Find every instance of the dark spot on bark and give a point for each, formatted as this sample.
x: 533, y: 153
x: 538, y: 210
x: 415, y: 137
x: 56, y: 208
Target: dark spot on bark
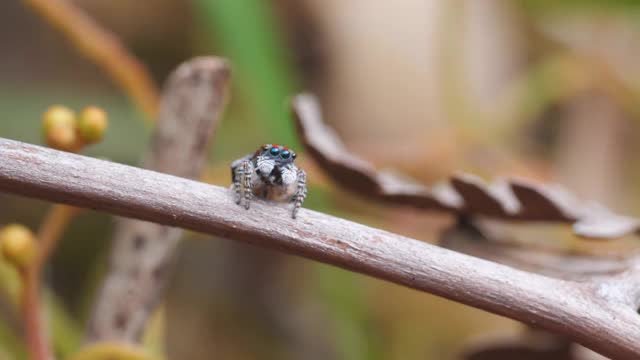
x: 339, y: 243
x: 158, y: 272
x: 195, y: 78
x: 120, y: 321
x: 139, y: 242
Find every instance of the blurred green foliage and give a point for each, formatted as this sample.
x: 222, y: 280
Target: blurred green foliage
x: 250, y: 38
x: 581, y: 5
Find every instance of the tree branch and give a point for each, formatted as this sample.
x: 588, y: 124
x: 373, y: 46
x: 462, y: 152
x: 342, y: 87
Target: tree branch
x: 143, y: 253
x: 599, y: 314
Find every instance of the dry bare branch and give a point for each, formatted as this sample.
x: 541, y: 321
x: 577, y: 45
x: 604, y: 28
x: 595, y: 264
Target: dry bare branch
x: 599, y: 313
x: 143, y: 252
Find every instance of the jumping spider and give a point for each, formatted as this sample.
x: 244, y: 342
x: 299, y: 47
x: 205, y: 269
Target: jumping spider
x: 269, y: 174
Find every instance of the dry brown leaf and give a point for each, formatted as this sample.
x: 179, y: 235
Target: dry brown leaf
x: 463, y: 194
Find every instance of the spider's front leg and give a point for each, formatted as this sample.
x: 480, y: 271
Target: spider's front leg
x: 236, y: 175
x: 241, y: 171
x: 301, y: 192
x: 247, y: 192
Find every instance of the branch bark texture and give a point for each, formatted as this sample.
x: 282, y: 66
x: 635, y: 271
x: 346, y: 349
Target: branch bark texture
x: 599, y: 313
x: 143, y: 252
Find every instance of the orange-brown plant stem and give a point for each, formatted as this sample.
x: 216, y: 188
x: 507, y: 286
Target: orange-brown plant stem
x: 37, y: 343
x: 57, y: 219
x: 104, y: 49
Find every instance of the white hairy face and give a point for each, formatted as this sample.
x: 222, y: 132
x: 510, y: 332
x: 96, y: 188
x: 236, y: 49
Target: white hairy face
x: 265, y: 165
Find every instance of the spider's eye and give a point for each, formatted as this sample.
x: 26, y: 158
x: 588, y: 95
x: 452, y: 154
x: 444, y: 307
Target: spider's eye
x: 265, y: 148
x: 293, y: 156
x: 274, y: 151
x: 285, y: 154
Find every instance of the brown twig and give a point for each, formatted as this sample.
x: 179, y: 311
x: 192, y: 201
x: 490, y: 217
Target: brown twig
x: 50, y: 232
x: 51, y: 229
x: 143, y: 253
x: 37, y: 342
x: 599, y: 313
x: 104, y: 49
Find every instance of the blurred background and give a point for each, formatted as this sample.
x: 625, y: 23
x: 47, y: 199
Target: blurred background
x: 541, y: 89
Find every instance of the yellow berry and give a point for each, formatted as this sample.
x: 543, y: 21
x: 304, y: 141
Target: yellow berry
x: 92, y: 124
x: 17, y: 245
x: 59, y: 124
x: 63, y: 137
x: 58, y: 115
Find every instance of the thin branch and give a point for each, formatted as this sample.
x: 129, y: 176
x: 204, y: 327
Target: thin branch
x: 51, y: 230
x: 104, y: 49
x: 49, y: 234
x: 596, y: 314
x: 143, y: 252
x: 35, y: 332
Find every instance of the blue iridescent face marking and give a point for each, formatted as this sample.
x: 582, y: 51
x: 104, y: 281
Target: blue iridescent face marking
x: 279, y: 153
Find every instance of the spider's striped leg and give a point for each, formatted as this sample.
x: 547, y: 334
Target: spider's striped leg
x: 236, y: 176
x: 301, y: 192
x: 247, y: 172
x: 238, y: 171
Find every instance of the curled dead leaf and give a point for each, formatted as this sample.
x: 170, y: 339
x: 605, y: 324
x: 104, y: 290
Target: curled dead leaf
x: 463, y: 194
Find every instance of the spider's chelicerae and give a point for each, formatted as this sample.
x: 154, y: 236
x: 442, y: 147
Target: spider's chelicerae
x: 269, y: 174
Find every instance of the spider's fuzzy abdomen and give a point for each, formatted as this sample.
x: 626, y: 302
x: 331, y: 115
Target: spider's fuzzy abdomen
x: 279, y: 193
